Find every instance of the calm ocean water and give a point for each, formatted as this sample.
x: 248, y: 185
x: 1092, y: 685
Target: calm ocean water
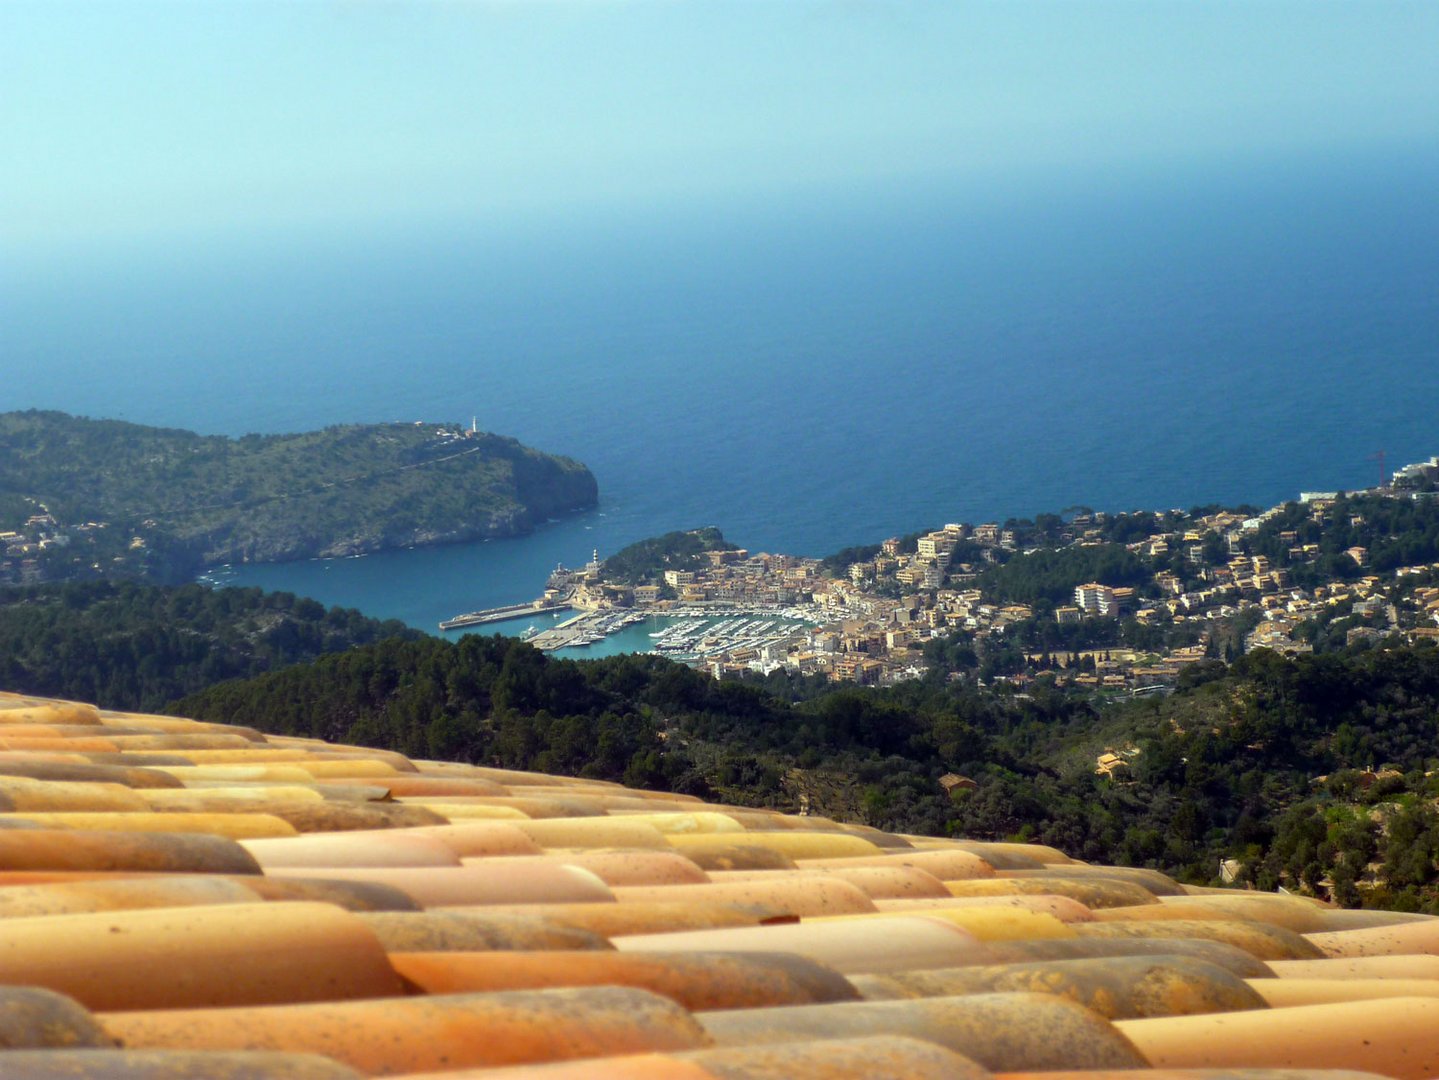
x: 810, y: 373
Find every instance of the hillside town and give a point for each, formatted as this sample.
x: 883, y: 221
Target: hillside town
x: 1198, y: 586
x: 1214, y: 586
x: 31, y: 550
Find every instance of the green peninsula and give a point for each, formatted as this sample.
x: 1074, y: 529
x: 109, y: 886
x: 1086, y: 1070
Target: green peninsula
x: 97, y: 498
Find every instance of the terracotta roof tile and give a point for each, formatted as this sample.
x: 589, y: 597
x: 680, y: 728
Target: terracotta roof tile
x: 479, y: 931
x: 1092, y: 892
x: 382, y: 916
x: 440, y: 886
x: 170, y: 1065
x: 34, y: 1017
x: 236, y: 826
x: 358, y: 896
x: 409, y: 1034
x: 1394, y: 1036
x: 1259, y: 939
x: 837, y: 1059
x: 619, y: 920
x: 995, y: 1030
x: 120, y: 894
x: 876, y: 882
x: 881, y: 944
x: 352, y: 849
x: 175, y: 957
x: 801, y: 894
x: 617, y: 866
x: 1233, y: 959
x: 948, y: 864
x: 1117, y: 988
x: 1061, y: 907
x: 100, y: 851
x: 697, y: 980
x: 740, y: 855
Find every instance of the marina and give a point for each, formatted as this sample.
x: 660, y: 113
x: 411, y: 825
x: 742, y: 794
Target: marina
x: 695, y: 629
x: 741, y: 635
x: 688, y: 635
x: 586, y: 628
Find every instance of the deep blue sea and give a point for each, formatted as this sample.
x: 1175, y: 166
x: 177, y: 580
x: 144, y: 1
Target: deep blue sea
x: 807, y: 371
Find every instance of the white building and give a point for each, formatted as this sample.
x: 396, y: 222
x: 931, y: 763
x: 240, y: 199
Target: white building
x: 1096, y: 599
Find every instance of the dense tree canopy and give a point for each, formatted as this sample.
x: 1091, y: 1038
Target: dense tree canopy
x: 1049, y: 576
x: 130, y: 646
x: 647, y: 560
x: 203, y: 500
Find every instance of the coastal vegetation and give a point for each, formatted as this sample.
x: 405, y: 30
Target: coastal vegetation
x: 134, y: 646
x: 1048, y: 576
x: 1393, y: 533
x: 489, y: 699
x: 841, y: 560
x: 646, y: 561
x: 108, y: 498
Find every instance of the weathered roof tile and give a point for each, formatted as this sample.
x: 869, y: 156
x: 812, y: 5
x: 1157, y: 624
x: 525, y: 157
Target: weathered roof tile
x: 477, y: 930
x: 397, y: 1035
x: 205, y: 955
x: 1117, y: 988
x: 1015, y: 1031
x: 406, y: 918
x: 104, y: 851
x: 1397, y: 1037
x: 437, y: 886
x: 696, y: 980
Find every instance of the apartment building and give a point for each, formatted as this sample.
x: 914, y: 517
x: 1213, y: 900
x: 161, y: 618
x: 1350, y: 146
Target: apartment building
x: 1096, y: 599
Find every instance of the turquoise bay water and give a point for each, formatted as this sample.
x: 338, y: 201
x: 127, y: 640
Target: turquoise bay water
x: 805, y: 374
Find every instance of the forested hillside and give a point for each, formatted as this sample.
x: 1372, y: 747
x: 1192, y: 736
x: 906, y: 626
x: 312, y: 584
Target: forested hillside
x: 1228, y: 767
x: 647, y: 560
x: 165, y: 503
x: 130, y: 646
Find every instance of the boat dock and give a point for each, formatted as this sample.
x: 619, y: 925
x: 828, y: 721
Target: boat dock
x: 586, y: 628
x: 700, y: 638
x: 500, y: 614
x: 693, y: 636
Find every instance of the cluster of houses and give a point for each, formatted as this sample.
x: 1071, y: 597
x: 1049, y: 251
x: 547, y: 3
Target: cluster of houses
x: 23, y: 550
x: 732, y: 578
x: 29, y: 551
x: 873, y: 622
x: 871, y: 639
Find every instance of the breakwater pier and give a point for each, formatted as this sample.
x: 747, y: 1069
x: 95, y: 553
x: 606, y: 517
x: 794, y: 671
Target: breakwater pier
x: 500, y: 614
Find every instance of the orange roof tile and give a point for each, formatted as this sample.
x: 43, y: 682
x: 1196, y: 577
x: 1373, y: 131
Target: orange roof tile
x: 180, y: 899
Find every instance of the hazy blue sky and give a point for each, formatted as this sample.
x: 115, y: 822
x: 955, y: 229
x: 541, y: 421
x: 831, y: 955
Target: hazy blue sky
x: 128, y: 123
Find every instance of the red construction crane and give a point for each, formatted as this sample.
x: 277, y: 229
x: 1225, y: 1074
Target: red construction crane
x: 1383, y: 476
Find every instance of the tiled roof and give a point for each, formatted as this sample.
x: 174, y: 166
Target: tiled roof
x: 180, y: 899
